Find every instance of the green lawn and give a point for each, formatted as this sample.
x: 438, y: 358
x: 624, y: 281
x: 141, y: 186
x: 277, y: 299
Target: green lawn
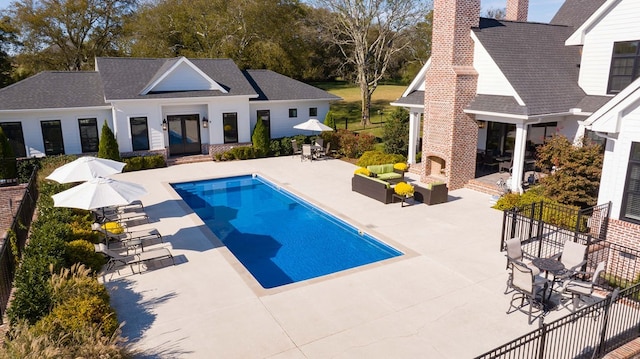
x: 348, y: 113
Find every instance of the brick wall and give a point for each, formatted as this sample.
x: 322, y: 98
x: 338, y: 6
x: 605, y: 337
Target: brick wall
x: 623, y: 233
x: 10, y: 198
x: 517, y: 10
x: 451, y: 82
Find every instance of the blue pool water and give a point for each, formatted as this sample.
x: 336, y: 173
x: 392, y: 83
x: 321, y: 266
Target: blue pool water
x: 277, y: 236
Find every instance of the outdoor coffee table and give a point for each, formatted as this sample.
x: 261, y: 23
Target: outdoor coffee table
x: 401, y: 198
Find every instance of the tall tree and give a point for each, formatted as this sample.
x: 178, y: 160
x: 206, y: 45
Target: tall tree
x: 68, y: 34
x: 495, y: 13
x: 8, y: 38
x: 254, y: 33
x: 369, y: 34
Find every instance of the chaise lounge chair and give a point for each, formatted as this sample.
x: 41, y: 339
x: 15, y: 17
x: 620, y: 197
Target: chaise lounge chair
x: 117, y: 260
x: 129, y: 239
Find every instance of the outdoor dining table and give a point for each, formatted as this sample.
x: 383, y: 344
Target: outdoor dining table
x: 547, y: 265
x: 315, y: 151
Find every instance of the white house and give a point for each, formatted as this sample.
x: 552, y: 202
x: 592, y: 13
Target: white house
x: 173, y: 106
x: 577, y: 76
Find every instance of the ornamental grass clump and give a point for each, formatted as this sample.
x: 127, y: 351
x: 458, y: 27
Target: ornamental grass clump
x: 404, y: 189
x: 362, y: 171
x: 401, y: 166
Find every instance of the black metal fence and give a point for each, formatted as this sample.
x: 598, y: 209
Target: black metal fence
x: 590, y: 332
x: 543, y: 227
x: 16, y: 241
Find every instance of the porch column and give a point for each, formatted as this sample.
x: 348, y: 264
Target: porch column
x: 518, y: 158
x: 414, y: 129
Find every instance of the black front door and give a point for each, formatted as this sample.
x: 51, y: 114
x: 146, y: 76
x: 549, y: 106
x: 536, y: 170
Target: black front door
x: 184, y: 134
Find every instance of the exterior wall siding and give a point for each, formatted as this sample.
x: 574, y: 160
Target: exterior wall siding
x: 620, y: 24
x: 614, y: 172
x: 281, y: 123
x: 32, y: 131
x: 491, y: 81
x: 183, y: 78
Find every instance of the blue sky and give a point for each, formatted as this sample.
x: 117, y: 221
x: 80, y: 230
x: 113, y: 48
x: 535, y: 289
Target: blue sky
x: 539, y: 10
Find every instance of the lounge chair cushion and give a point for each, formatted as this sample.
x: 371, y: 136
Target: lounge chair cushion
x: 113, y: 227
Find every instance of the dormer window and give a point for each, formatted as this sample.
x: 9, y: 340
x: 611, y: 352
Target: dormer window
x: 625, y: 65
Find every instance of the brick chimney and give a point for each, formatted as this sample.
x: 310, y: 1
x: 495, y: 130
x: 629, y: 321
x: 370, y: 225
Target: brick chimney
x: 517, y: 10
x: 450, y: 136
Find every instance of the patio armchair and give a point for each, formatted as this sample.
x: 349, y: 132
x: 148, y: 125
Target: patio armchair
x: 582, y: 290
x: 306, y: 153
x: 529, y: 290
x: 573, y: 258
x: 319, y: 142
x: 515, y: 253
x: 116, y: 260
x: 506, y: 165
x: 296, y: 148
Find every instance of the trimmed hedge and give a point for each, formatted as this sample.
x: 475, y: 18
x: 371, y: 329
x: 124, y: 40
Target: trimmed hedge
x: 144, y: 163
x: 371, y: 158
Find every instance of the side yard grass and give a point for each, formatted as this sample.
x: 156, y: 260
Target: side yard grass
x: 347, y: 113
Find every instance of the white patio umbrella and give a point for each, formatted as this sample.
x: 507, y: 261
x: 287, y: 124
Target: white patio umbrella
x: 313, y: 125
x: 99, y: 193
x: 84, y: 169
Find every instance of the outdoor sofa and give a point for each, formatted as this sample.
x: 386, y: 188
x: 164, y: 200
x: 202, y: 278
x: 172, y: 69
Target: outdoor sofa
x: 387, y: 173
x: 432, y: 193
x: 372, y: 187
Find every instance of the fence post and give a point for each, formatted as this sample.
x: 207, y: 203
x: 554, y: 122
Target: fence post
x: 605, y: 322
x: 543, y: 340
x: 540, y: 227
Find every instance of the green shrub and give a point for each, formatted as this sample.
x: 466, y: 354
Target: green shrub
x: 365, y: 142
x: 133, y: 164
x: 274, y: 148
x: 83, y: 252
x: 154, y: 161
x: 260, y: 139
x: 329, y: 120
x: 218, y: 156
x: 32, y: 297
x: 396, y: 132
x: 25, y: 168
x: 108, y: 147
x: 286, y: 148
x: 348, y: 143
x: 370, y: 158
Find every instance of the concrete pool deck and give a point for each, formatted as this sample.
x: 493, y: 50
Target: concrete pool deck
x: 443, y: 299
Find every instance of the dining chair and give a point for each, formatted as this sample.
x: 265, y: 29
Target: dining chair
x: 529, y: 290
x: 581, y: 290
x: 573, y: 258
x: 515, y: 253
x: 506, y: 165
x: 319, y: 142
x: 306, y: 153
x: 296, y: 148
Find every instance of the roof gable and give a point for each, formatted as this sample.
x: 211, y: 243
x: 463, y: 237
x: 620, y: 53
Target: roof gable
x: 577, y: 38
x: 180, y: 75
x: 125, y: 78
x: 533, y: 58
x: 575, y: 12
x: 608, y: 118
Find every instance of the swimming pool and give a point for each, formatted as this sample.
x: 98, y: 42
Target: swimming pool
x: 277, y: 236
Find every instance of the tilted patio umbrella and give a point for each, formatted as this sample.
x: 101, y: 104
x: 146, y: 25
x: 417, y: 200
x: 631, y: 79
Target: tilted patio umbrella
x: 313, y: 125
x: 99, y: 193
x: 85, y: 169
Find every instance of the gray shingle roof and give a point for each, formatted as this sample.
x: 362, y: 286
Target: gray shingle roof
x: 125, y: 78
x: 592, y: 103
x: 414, y: 98
x: 500, y: 104
x: 54, y: 90
x: 273, y: 86
x: 575, y: 12
x: 534, y: 59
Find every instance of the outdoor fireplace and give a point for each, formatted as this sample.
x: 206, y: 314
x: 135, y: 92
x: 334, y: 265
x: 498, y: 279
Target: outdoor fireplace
x: 437, y: 166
